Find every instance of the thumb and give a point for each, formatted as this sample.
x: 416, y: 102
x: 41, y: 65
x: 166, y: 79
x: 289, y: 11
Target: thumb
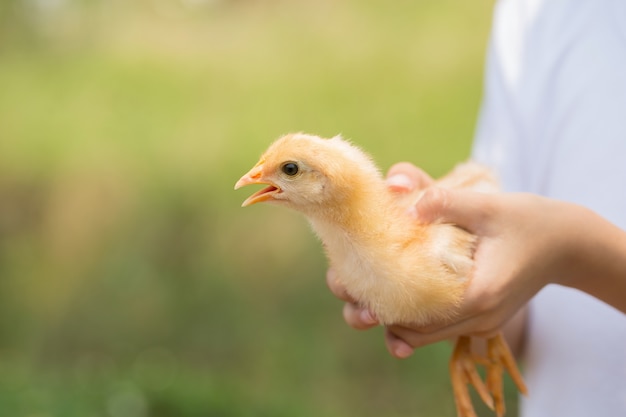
x: 466, y: 209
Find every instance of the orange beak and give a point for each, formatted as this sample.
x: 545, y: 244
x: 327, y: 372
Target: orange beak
x: 255, y: 176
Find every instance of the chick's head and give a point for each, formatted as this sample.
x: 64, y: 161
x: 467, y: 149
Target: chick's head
x: 306, y: 172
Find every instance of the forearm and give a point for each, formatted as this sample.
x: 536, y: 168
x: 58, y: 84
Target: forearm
x: 595, y: 260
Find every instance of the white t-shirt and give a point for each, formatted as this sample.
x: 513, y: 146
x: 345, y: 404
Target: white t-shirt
x: 553, y: 122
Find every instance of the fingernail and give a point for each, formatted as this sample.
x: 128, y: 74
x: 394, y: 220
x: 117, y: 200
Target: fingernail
x: 400, y: 182
x: 367, y: 317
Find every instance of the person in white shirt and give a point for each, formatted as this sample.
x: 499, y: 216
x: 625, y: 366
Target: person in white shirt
x: 551, y: 265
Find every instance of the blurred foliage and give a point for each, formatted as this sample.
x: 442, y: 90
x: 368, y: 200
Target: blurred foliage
x: 131, y: 283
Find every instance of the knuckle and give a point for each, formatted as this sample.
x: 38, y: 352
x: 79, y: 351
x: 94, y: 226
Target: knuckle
x: 432, y: 203
x: 336, y: 287
x: 488, y: 305
x: 351, y: 315
x: 401, y: 167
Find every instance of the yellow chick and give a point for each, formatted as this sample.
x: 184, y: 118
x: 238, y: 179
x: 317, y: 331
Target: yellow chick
x: 403, y: 271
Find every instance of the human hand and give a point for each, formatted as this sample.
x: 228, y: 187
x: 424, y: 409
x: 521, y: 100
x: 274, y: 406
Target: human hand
x: 515, y: 257
x: 524, y: 243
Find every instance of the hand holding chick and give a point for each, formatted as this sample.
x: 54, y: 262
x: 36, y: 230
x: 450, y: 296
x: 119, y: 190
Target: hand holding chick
x: 407, y: 273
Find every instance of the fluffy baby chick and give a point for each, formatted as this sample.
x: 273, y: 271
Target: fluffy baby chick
x: 403, y: 271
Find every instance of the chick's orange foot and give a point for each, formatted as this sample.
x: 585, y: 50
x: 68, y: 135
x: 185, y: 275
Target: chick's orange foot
x: 463, y: 372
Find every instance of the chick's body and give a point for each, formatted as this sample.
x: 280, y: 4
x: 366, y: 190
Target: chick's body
x: 403, y: 271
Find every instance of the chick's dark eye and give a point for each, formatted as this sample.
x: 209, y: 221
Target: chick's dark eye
x: 290, y: 168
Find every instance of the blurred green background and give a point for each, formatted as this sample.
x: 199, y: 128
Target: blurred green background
x: 131, y: 282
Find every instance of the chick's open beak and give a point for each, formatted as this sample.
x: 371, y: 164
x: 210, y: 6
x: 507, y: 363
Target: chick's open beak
x: 255, y: 176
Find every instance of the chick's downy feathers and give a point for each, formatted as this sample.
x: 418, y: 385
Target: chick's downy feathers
x: 403, y: 271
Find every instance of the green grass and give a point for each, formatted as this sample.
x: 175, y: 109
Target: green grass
x: 132, y: 283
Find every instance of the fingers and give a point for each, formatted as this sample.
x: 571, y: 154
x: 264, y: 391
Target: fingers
x: 405, y: 177
x: 354, y: 315
x: 416, y: 338
x: 336, y: 287
x: 462, y: 207
x: 401, y: 341
x: 465, y: 208
x: 396, y: 346
x: 358, y: 318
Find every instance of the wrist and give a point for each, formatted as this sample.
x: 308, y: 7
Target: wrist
x: 571, y: 248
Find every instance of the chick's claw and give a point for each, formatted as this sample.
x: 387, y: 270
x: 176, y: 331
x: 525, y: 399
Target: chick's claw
x: 463, y: 372
x: 501, y: 358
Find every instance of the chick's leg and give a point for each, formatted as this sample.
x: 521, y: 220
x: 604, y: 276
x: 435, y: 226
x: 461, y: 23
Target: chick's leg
x: 499, y: 358
x: 463, y: 372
